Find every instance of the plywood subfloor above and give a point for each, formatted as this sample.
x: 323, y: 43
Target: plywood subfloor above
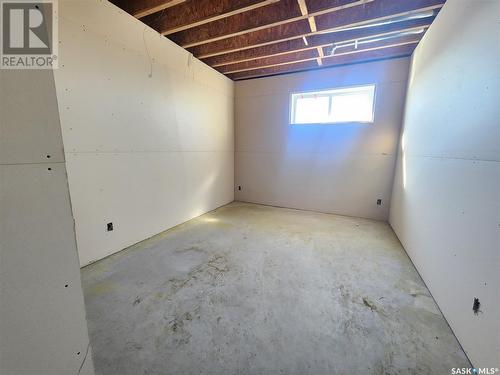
x: 254, y: 38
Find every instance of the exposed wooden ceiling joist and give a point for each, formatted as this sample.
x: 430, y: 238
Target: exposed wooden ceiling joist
x: 312, y: 27
x: 282, y: 12
x: 143, y: 8
x: 251, y: 40
x: 378, y: 10
x: 195, y: 13
x: 384, y: 53
x: 314, y: 41
x: 247, y: 38
x: 290, y: 58
x: 312, y: 54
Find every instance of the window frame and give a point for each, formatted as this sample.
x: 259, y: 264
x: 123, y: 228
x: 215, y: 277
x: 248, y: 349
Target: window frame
x: 292, y: 105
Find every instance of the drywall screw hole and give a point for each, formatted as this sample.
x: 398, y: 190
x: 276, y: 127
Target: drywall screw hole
x: 66, y: 285
x: 476, y: 306
x: 49, y: 169
x: 78, y: 353
x: 48, y: 156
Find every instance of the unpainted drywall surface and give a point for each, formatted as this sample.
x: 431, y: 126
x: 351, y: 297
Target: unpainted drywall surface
x: 339, y: 169
x: 43, y: 330
x: 147, y: 129
x: 446, y: 201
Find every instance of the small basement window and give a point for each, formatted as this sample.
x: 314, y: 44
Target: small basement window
x: 344, y: 105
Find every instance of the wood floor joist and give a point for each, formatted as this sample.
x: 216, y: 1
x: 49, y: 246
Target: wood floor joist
x: 196, y: 13
x: 312, y: 27
x: 289, y: 58
x: 143, y: 8
x: 245, y: 38
x: 282, y: 12
x: 376, y: 11
x: 372, y: 55
x: 312, y: 54
x: 314, y: 41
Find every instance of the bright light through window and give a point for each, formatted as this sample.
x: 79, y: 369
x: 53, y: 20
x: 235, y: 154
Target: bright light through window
x: 311, y: 109
x: 353, y: 104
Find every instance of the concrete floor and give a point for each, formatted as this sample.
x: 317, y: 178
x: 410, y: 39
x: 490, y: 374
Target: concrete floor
x: 250, y: 289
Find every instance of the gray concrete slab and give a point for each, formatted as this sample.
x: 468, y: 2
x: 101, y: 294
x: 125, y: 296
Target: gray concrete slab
x: 250, y: 289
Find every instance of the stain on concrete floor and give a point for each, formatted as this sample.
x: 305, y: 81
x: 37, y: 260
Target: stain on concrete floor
x: 250, y: 289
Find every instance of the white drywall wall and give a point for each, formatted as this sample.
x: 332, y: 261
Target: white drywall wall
x: 339, y: 169
x: 43, y: 330
x: 446, y: 200
x: 148, y: 131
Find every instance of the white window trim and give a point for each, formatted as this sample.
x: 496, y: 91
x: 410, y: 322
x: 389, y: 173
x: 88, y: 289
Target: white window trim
x: 291, y: 103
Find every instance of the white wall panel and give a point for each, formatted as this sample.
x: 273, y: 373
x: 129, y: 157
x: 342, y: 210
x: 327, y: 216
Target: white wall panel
x: 446, y: 198
x: 43, y: 330
x: 28, y: 110
x: 341, y: 168
x: 148, y: 130
x: 337, y: 184
x: 142, y: 193
x: 349, y: 75
x: 43, y: 326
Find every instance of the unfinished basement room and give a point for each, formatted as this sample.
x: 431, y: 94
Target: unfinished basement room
x: 253, y: 187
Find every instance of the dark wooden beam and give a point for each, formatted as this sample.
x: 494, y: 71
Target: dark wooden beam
x: 386, y: 53
x: 198, y: 12
x: 381, y: 10
x: 368, y: 13
x: 253, y: 39
x: 312, y: 54
x: 285, y: 11
x: 142, y: 8
x: 318, y: 40
x: 381, y: 43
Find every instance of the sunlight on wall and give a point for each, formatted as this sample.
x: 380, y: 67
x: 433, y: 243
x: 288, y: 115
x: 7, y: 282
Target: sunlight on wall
x: 210, y: 220
x: 403, y: 159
